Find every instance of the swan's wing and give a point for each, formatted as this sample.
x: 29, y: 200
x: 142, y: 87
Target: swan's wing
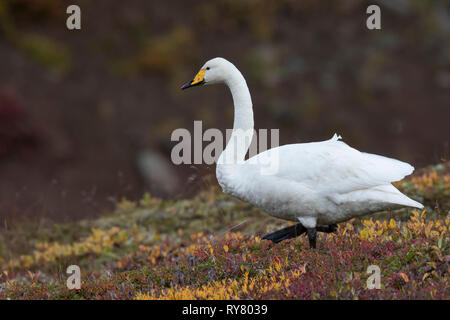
x: 334, y: 167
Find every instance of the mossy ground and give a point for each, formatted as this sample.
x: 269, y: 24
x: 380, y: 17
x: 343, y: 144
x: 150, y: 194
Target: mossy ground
x: 210, y: 247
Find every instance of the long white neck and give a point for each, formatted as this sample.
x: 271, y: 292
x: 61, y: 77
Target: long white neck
x: 242, y: 134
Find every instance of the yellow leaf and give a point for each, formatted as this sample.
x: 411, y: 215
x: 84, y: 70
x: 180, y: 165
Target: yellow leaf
x: 364, y: 234
x: 392, y: 224
x: 404, y: 276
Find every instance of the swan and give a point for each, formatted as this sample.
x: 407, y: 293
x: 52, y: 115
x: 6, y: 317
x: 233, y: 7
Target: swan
x: 316, y: 184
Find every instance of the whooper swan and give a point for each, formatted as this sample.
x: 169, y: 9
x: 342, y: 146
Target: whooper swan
x: 317, y: 184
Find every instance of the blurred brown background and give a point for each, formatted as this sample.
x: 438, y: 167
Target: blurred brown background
x: 86, y: 116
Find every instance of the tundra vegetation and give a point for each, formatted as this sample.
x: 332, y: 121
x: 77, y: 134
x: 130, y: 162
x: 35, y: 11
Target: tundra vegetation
x: 209, y: 247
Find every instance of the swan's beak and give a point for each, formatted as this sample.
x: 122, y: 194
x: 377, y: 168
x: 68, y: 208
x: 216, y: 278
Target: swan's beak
x: 198, y: 79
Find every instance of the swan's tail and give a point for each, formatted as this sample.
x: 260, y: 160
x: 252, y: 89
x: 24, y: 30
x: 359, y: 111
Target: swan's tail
x: 392, y: 195
x: 391, y: 170
x: 406, y: 201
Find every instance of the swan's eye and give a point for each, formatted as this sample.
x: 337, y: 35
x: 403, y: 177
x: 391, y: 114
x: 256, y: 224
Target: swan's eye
x: 207, y: 68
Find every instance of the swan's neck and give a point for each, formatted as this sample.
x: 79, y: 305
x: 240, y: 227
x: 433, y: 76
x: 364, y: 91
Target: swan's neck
x: 241, y: 137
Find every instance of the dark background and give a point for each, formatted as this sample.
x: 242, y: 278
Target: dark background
x: 78, y: 109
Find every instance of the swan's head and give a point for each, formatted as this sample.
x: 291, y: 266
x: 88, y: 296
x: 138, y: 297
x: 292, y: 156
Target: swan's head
x: 216, y: 70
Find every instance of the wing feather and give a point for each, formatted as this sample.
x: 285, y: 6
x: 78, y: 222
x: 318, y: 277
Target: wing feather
x: 334, y: 167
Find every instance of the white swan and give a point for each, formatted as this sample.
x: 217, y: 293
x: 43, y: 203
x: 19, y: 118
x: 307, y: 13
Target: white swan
x: 317, y: 184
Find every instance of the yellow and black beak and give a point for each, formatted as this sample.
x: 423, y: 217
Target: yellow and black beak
x: 198, y: 80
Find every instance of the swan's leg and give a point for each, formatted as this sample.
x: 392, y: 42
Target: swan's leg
x: 312, y: 234
x: 297, y: 230
x: 286, y: 233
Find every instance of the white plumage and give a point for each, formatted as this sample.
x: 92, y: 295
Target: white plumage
x: 317, y: 183
x: 320, y: 183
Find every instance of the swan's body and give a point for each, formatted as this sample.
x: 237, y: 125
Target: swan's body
x: 317, y: 183
x: 320, y: 183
